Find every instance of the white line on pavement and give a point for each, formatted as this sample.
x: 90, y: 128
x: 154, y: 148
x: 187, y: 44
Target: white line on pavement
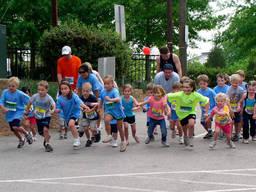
x: 230, y: 190
x: 127, y: 174
x: 95, y: 185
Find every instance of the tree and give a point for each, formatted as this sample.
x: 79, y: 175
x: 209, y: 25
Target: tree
x: 216, y: 58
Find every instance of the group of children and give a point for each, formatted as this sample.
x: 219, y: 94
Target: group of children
x: 229, y: 105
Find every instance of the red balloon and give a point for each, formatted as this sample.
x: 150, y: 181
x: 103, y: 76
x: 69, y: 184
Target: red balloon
x: 146, y: 51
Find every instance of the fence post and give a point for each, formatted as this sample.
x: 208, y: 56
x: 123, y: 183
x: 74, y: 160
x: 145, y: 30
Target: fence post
x: 148, y: 68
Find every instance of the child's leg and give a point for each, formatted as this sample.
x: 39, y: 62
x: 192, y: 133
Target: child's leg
x: 120, y: 129
x: 246, y: 126
x: 87, y: 132
x: 179, y: 127
x: 152, y: 126
x: 126, y: 131
x: 252, y: 127
x: 107, y: 120
x: 172, y: 128
x: 191, y: 125
x: 46, y: 134
x: 73, y: 129
x: 163, y: 129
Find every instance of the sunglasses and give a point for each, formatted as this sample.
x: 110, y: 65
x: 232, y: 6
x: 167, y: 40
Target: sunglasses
x: 81, y: 72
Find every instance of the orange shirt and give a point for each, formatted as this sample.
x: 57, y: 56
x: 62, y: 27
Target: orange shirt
x: 68, y: 68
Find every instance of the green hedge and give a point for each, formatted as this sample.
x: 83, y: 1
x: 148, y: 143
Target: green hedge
x: 86, y: 42
x: 195, y: 69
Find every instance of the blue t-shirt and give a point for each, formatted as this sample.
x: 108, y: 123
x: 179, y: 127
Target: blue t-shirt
x: 69, y: 107
x: 92, y: 79
x: 219, y: 89
x: 112, y: 108
x: 15, y: 102
x: 128, y: 106
x: 210, y: 93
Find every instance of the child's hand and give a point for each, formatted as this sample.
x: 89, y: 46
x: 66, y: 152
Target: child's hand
x: 137, y: 109
x: 108, y: 98
x: 56, y: 111
x: 232, y: 114
x: 144, y: 109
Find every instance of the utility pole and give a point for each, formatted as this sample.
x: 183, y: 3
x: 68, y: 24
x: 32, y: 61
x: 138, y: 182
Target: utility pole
x: 169, y: 25
x: 54, y: 13
x: 182, y: 35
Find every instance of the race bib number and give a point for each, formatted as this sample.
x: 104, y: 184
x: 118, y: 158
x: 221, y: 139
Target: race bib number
x: 91, y: 115
x: 10, y: 105
x: 185, y: 109
x: 234, y: 106
x: 70, y: 80
x: 223, y: 120
x: 40, y: 112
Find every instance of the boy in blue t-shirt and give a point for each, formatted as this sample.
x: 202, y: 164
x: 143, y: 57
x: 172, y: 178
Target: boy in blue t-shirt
x: 204, y: 90
x: 221, y: 86
x: 12, y: 103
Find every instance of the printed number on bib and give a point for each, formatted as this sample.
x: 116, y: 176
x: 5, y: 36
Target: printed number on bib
x: 91, y: 115
x: 40, y: 112
x: 185, y: 109
x: 70, y: 80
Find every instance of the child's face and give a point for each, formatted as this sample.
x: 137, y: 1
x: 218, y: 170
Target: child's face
x: 64, y: 90
x: 203, y: 84
x: 86, y: 92
x: 235, y: 83
x: 108, y: 85
x: 149, y: 93
x: 127, y: 92
x: 84, y: 74
x: 187, y: 89
x: 12, y: 87
x: 220, y: 102
x: 251, y: 89
x: 221, y: 81
x: 42, y: 90
x: 157, y: 94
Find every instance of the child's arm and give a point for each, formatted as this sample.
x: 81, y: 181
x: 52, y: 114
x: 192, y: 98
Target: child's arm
x: 115, y: 100
x: 240, y: 103
x: 167, y: 110
x: 143, y: 103
x: 136, y: 106
x: 27, y: 109
x: 254, y: 111
x: 206, y: 107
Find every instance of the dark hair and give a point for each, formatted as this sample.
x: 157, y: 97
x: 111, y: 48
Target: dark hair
x: 64, y: 82
x: 164, y: 50
x: 159, y: 88
x: 191, y: 83
x: 85, y: 68
x: 168, y: 66
x: 26, y: 90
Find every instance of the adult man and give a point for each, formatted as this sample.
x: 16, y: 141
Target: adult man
x: 68, y: 66
x: 167, y: 78
x: 166, y: 57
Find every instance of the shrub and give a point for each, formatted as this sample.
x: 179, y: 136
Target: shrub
x: 86, y: 42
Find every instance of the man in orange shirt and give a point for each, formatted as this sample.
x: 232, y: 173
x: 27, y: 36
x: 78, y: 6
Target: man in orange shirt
x: 68, y: 66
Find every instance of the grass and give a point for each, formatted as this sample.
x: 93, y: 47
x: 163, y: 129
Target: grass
x: 32, y: 84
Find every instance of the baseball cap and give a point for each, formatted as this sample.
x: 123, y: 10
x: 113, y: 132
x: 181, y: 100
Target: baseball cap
x: 66, y: 50
x: 168, y: 66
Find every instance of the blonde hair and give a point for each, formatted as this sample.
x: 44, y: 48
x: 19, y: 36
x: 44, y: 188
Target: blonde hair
x: 159, y: 89
x: 203, y: 78
x: 127, y: 86
x: 14, y: 80
x: 43, y: 84
x: 221, y: 96
x: 235, y: 77
x: 183, y: 79
x: 177, y: 85
x: 89, y: 66
x: 241, y: 73
x: 108, y: 78
x: 150, y: 86
x: 87, y: 86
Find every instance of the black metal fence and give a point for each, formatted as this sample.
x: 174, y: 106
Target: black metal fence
x: 27, y: 63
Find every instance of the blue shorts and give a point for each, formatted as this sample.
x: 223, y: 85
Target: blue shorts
x: 42, y: 123
x: 14, y: 124
x: 174, y: 116
x: 237, y: 118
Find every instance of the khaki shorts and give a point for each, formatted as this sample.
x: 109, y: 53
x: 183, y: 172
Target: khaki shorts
x: 88, y: 123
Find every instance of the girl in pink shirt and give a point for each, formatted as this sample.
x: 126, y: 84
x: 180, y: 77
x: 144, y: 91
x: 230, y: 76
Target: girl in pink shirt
x: 158, y: 108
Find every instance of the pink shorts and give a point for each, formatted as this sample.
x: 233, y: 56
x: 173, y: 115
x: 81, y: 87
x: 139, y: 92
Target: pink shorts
x: 32, y: 120
x: 225, y: 128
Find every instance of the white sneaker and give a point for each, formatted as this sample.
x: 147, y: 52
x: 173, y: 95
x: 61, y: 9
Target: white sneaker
x: 123, y: 147
x: 107, y: 139
x: 165, y: 144
x: 212, y: 145
x: 181, y: 140
x: 114, y: 143
x: 246, y: 141
x: 34, y: 138
x: 231, y: 145
x: 254, y: 138
x: 191, y: 142
x: 76, y: 143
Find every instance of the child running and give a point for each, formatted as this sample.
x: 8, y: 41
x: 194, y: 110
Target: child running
x: 174, y: 120
x: 186, y: 102
x: 43, y: 106
x: 91, y: 116
x: 110, y: 99
x: 12, y: 103
x: 129, y: 104
x: 68, y: 107
x: 221, y: 86
x: 30, y: 120
x: 223, y: 120
x: 157, y: 111
x: 249, y: 113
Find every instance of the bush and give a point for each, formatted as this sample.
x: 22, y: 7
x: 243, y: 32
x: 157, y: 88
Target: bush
x: 195, y: 69
x: 86, y: 42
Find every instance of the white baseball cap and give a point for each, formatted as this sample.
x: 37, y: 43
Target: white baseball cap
x: 66, y: 50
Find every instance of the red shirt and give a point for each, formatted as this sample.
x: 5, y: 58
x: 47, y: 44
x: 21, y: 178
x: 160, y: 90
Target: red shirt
x: 68, y: 68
